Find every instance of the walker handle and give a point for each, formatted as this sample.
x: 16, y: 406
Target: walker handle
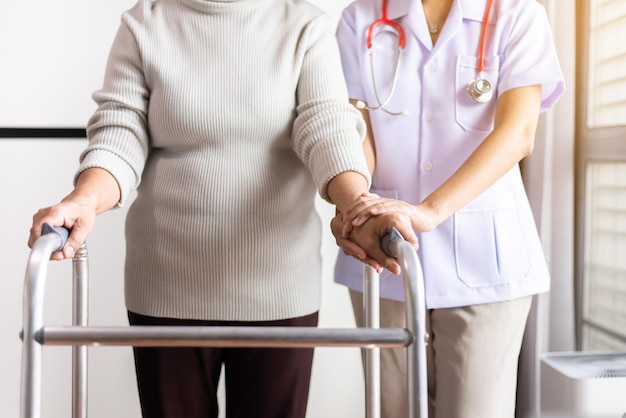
x: 389, y: 239
x: 60, y: 231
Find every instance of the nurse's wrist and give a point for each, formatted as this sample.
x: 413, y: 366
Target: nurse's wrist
x: 431, y: 216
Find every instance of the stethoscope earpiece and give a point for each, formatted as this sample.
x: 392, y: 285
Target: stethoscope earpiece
x: 360, y: 104
x: 384, y: 21
x: 480, y: 90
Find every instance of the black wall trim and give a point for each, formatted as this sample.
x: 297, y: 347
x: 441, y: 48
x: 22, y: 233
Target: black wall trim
x: 43, y: 133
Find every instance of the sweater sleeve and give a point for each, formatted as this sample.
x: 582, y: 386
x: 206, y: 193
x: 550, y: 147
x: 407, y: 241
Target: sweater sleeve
x: 117, y: 131
x: 328, y: 131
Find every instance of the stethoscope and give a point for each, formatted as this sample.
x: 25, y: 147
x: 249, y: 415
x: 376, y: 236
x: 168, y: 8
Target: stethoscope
x: 478, y: 89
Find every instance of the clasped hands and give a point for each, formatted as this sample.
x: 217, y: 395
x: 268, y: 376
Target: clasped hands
x: 359, y: 230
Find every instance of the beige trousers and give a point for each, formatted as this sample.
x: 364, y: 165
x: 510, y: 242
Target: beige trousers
x: 473, y: 354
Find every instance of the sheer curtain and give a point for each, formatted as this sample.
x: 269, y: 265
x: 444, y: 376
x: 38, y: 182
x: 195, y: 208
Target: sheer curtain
x: 549, y: 178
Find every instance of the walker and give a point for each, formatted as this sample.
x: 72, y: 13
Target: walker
x: 79, y: 335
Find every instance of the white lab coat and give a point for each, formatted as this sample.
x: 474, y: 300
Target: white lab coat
x: 489, y: 250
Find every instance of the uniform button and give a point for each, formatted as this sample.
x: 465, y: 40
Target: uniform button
x: 428, y: 166
x: 432, y: 66
x: 428, y: 116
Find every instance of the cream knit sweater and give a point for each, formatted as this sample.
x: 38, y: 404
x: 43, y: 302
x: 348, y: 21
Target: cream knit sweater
x: 227, y: 116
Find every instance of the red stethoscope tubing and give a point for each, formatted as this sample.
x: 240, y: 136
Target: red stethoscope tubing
x: 483, y: 37
x: 478, y: 89
x: 384, y: 20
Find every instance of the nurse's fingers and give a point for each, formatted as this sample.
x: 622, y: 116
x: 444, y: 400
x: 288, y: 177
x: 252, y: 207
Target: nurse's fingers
x: 360, y: 202
x: 362, y: 210
x: 381, y: 207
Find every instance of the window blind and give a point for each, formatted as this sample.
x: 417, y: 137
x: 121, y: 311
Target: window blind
x: 604, y: 301
x: 607, y: 64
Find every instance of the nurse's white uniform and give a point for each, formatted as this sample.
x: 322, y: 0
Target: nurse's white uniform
x: 489, y: 250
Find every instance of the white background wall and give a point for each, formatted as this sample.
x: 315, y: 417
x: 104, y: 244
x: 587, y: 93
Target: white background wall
x: 52, y: 58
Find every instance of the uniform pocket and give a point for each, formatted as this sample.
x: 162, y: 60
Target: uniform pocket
x: 470, y: 115
x: 490, y: 248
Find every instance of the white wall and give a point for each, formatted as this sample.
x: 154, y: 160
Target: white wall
x: 53, y: 56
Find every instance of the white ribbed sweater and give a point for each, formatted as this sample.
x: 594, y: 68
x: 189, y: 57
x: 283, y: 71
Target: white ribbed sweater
x: 230, y: 115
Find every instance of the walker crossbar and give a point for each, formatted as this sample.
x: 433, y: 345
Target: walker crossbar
x: 192, y: 336
x: 80, y: 336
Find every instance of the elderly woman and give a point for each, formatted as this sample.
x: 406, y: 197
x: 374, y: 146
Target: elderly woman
x: 227, y: 117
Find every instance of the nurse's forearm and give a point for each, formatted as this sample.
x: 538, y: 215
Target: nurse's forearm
x: 511, y: 140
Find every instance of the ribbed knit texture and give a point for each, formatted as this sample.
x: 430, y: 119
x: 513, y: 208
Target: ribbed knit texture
x: 231, y: 115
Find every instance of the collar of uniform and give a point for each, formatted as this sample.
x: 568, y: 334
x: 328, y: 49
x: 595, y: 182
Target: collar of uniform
x: 475, y: 10
x: 470, y: 9
x: 397, y: 8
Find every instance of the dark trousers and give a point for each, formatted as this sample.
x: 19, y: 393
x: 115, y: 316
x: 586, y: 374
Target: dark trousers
x: 181, y: 382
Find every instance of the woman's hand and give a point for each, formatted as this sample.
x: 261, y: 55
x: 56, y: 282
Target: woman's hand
x: 77, y: 217
x: 349, y: 247
x: 96, y: 191
x: 369, y: 235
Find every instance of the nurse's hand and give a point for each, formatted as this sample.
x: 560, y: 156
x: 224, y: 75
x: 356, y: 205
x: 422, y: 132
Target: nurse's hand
x: 422, y: 219
x: 77, y: 217
x: 369, y: 235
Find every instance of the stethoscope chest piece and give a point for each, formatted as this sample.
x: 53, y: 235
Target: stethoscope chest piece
x: 480, y: 90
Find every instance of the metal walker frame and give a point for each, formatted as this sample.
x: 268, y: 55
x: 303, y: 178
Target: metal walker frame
x: 80, y: 335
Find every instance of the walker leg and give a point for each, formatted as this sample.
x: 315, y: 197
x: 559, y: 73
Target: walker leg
x: 80, y: 317
x: 371, y: 316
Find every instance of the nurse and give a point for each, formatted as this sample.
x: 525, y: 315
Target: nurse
x: 446, y: 156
